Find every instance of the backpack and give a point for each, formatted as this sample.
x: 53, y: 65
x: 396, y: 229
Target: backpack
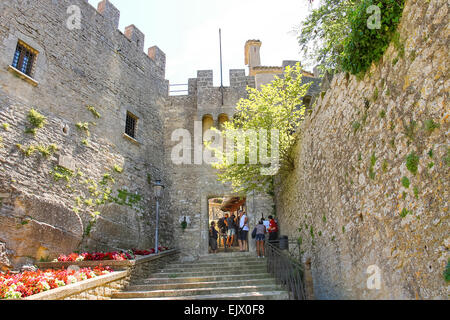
x: 221, y: 224
x: 254, y: 234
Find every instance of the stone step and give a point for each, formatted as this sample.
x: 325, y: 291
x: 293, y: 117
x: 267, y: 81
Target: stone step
x: 209, y: 273
x: 251, y: 296
x: 194, y: 292
x: 222, y: 265
x: 216, y: 271
x: 205, y: 284
x: 208, y: 278
x: 229, y: 256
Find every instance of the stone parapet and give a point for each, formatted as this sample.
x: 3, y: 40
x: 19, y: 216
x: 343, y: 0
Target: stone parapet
x: 103, y: 287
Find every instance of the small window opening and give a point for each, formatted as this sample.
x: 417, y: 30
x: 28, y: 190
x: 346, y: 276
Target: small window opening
x: 24, y: 58
x: 131, y: 125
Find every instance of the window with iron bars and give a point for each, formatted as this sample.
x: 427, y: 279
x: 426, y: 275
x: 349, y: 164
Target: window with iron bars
x: 24, y: 58
x: 131, y: 125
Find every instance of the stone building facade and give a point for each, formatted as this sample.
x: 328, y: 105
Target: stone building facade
x: 94, y: 65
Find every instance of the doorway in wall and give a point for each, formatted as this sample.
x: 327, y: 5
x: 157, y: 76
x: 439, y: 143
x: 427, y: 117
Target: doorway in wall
x: 220, y: 208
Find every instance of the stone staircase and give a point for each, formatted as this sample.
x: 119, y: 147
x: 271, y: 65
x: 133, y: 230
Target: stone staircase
x: 230, y: 276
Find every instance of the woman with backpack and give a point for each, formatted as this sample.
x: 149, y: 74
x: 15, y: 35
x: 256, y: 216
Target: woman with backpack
x: 260, y: 236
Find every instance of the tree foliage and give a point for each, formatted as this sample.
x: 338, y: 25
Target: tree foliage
x: 337, y: 36
x: 365, y: 45
x: 276, y: 106
x: 324, y: 30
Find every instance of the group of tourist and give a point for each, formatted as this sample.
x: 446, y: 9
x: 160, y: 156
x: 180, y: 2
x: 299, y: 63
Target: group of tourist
x: 230, y: 227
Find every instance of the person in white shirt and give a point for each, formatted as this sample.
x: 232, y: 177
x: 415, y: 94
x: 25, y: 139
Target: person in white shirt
x: 266, y: 223
x: 243, y: 231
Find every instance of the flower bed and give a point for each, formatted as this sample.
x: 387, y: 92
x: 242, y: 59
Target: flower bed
x: 28, y: 283
x: 108, y: 256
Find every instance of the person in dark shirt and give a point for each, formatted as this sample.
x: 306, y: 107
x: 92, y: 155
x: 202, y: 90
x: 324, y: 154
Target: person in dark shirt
x: 223, y: 229
x: 213, y: 235
x: 231, y: 225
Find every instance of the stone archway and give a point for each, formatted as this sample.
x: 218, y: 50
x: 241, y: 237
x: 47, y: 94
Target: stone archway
x: 251, y: 208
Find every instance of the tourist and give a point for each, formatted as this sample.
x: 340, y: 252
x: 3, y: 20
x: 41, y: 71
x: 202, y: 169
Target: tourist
x: 223, y: 229
x: 231, y: 225
x: 273, y: 229
x: 243, y: 231
x: 266, y: 223
x: 260, y: 238
x: 213, y: 237
x: 236, y: 229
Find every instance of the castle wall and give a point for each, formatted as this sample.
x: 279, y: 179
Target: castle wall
x: 97, y: 66
x: 193, y: 184
x: 345, y: 201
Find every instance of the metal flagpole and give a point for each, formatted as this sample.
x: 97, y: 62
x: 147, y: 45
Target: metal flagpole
x: 221, y: 68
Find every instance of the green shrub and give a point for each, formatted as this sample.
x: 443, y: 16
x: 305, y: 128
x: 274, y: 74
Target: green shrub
x: 356, y: 126
x: 118, y: 169
x: 94, y: 112
x: 410, y: 130
x: 47, y: 151
x: 84, y: 126
x: 373, y: 161
x: 365, y: 45
x: 412, y: 163
x: 430, y: 125
x: 60, y: 173
x: 405, y: 182
x: 385, y: 166
x: 37, y: 121
x: 416, y: 192
x: 447, y: 272
x: 447, y: 158
x: 405, y: 212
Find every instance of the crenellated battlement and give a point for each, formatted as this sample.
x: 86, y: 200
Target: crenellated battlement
x: 205, y: 79
x: 111, y: 16
x: 109, y: 12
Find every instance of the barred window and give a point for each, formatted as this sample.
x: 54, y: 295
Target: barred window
x: 131, y: 125
x: 24, y: 58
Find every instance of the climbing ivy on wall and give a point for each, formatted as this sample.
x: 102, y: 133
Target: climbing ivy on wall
x: 88, y: 195
x: 348, y: 35
x: 365, y: 45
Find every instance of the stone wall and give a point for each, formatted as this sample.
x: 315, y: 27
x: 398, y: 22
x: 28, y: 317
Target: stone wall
x: 351, y: 201
x: 99, y: 66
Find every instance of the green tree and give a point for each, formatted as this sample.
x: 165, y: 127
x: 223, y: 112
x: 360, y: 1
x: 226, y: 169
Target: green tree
x: 268, y: 118
x: 341, y: 34
x: 323, y: 32
x: 365, y: 45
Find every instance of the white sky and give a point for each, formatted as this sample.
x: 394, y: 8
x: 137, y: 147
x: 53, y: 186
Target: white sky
x: 188, y: 31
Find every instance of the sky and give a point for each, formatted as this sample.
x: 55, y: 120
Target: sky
x: 188, y: 32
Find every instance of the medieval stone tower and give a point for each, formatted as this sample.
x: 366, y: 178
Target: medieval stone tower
x: 49, y: 201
